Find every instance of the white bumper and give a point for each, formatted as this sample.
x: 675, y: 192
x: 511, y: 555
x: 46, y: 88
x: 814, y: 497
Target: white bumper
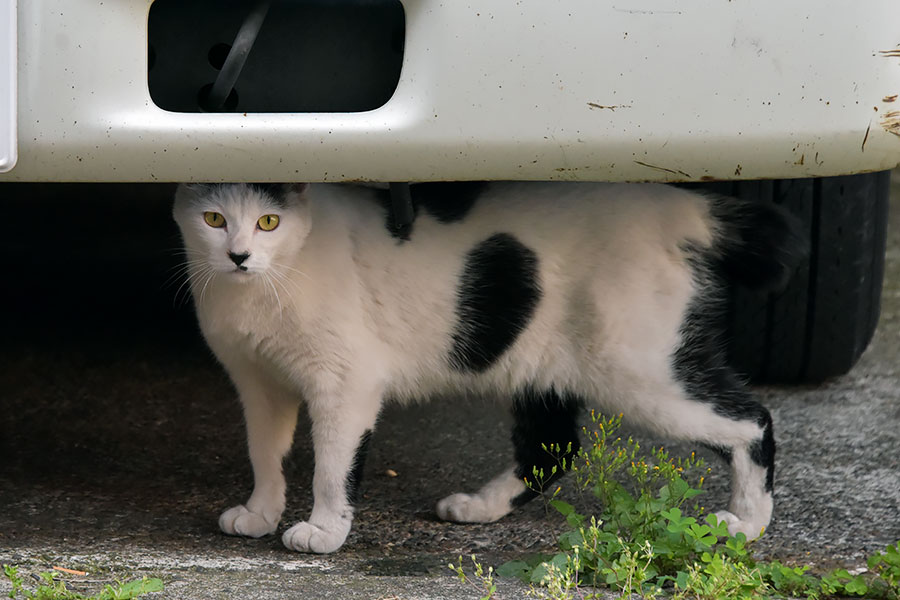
x: 535, y: 89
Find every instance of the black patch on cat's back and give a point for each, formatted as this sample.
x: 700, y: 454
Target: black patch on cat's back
x: 498, y: 293
x: 447, y: 201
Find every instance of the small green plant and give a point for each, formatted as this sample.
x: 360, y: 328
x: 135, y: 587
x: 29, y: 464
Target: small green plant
x: 50, y: 587
x: 481, y: 580
x: 717, y: 576
x: 651, y: 536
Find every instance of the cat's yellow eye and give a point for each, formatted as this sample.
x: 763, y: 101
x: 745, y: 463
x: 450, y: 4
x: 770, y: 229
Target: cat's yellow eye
x: 214, y: 219
x: 268, y: 222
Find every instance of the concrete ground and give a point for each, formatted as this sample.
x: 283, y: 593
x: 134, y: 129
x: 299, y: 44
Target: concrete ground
x: 121, y: 440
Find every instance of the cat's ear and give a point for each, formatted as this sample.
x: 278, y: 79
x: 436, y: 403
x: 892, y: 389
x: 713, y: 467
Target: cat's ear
x: 299, y: 192
x: 298, y: 188
x: 189, y: 195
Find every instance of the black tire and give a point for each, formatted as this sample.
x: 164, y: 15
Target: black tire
x: 820, y: 324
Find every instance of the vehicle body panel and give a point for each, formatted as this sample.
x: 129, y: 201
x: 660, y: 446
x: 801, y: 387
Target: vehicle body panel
x: 661, y: 90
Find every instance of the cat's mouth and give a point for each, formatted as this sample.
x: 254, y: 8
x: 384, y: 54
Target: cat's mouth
x: 241, y: 272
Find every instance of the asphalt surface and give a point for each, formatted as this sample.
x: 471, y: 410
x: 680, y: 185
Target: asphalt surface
x: 121, y: 439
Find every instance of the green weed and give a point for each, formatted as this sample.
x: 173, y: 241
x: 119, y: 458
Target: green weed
x: 651, y: 536
x: 50, y: 587
x: 482, y: 580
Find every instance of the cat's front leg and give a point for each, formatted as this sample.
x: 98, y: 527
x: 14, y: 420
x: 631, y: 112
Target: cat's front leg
x: 271, y: 416
x: 340, y: 430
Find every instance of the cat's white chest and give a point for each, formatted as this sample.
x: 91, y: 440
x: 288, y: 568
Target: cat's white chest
x: 244, y: 322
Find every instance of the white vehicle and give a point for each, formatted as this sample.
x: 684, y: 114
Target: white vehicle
x: 795, y: 102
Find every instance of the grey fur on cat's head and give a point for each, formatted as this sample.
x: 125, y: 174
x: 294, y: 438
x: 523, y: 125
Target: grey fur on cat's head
x: 243, y: 229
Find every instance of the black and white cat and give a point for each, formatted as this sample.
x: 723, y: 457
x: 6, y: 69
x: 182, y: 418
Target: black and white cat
x: 545, y: 295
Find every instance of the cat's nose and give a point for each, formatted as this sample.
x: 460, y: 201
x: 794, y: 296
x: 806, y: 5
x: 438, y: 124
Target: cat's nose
x: 238, y: 259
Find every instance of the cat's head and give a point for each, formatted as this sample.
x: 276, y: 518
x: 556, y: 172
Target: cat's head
x: 241, y: 229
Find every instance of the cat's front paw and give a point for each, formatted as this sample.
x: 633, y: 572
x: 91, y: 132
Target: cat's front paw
x: 238, y: 520
x: 468, y: 508
x: 306, y: 537
x: 736, y: 525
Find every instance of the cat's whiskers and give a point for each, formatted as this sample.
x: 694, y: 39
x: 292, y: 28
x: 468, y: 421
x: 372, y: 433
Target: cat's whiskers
x: 284, y: 279
x: 210, y: 275
x: 183, y: 291
x: 191, y: 270
x: 186, y: 255
x: 268, y: 279
x: 190, y: 257
x: 289, y: 268
x: 181, y: 270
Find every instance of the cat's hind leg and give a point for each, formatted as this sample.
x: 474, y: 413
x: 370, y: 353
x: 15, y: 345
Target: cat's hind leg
x: 711, y: 406
x: 545, y: 435
x: 271, y: 416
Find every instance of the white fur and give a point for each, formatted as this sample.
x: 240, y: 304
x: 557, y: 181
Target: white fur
x: 489, y: 504
x: 750, y: 501
x: 335, y: 311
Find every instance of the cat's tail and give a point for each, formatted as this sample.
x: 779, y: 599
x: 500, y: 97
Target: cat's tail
x: 758, y: 244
